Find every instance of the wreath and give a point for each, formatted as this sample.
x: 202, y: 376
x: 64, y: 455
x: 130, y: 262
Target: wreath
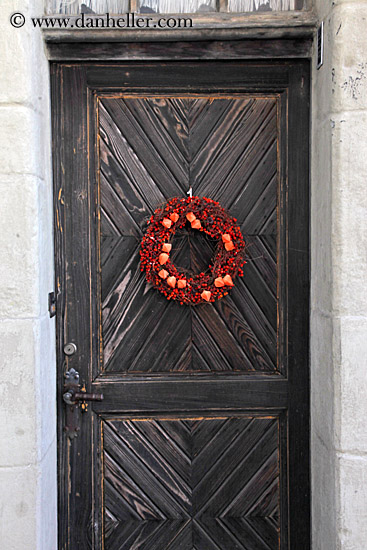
x: 174, y: 282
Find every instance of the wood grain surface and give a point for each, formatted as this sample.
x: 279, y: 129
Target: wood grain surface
x: 202, y: 438
x: 192, y: 483
x: 152, y: 149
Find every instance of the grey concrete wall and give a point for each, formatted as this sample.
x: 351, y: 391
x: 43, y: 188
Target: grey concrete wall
x: 339, y: 273
x: 27, y: 358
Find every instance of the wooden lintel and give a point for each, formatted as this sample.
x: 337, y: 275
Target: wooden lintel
x: 218, y: 26
x: 201, y: 50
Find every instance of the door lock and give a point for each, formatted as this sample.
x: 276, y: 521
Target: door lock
x: 74, y: 396
x: 70, y: 348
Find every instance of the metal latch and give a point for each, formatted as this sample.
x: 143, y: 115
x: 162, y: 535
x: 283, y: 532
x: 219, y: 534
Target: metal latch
x: 75, y: 398
x: 52, y: 304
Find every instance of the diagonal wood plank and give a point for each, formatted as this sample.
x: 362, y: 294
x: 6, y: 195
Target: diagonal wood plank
x: 217, y: 487
x: 150, y: 148
x: 210, y: 330
x: 256, y: 497
x: 192, y: 483
x: 171, y: 496
x: 245, y: 534
x: 118, y: 158
x: 225, y: 155
x: 147, y: 123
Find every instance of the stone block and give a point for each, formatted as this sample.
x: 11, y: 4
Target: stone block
x: 19, y: 228
x: 20, y: 142
x: 341, y: 83
x: 47, y: 518
x: 45, y: 245
x: 349, y: 56
x: 18, y: 508
x: 322, y: 378
x: 322, y: 7
x: 323, y: 79
x: 321, y: 217
x: 18, y: 433
x: 352, y: 517
x: 353, y: 385
x: 19, y: 77
x: 24, y: 93
x: 349, y: 200
x: 323, y: 495
x: 46, y: 383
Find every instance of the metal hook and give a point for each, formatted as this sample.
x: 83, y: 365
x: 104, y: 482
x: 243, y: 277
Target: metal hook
x: 189, y: 192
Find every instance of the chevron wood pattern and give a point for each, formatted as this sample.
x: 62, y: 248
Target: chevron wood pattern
x: 192, y: 484
x: 153, y: 148
x: 177, y: 456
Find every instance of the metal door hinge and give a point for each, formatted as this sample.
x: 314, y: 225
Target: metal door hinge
x: 320, y: 45
x: 52, y: 304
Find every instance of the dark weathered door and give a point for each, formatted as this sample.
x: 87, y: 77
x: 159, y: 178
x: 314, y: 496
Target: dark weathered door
x: 201, y: 440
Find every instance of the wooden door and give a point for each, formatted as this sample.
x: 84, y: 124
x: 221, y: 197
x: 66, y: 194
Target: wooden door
x: 201, y: 440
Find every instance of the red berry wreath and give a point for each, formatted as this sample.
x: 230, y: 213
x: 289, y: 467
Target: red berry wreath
x: 175, y: 283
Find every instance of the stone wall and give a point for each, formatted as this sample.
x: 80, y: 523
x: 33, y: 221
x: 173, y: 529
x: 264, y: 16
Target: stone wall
x: 27, y: 357
x: 339, y: 273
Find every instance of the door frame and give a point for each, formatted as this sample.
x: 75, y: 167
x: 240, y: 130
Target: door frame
x: 178, y: 51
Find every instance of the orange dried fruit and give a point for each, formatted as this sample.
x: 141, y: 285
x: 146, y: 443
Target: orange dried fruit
x: 196, y: 224
x: 219, y: 282
x: 227, y: 279
x: 163, y: 274
x: 206, y: 295
x: 229, y: 246
x: 171, y: 281
x: 191, y: 217
x: 163, y: 258
x: 167, y: 247
x: 166, y: 222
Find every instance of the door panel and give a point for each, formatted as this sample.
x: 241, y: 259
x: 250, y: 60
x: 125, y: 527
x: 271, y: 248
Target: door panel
x: 192, y: 483
x: 150, y: 150
x: 201, y: 440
